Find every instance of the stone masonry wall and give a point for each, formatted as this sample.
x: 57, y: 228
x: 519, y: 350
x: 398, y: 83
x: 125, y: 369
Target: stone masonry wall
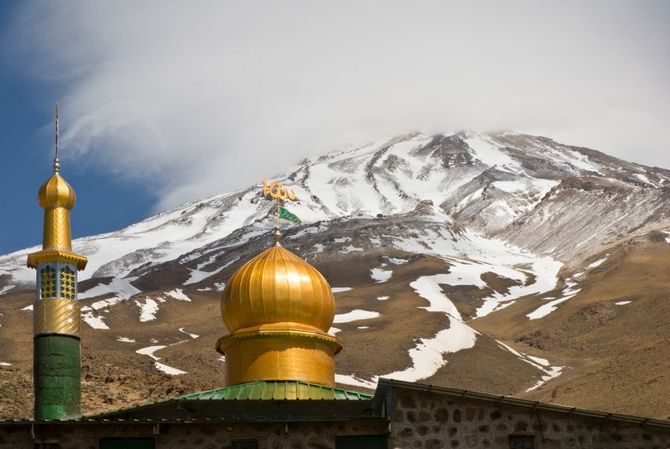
x: 423, y: 420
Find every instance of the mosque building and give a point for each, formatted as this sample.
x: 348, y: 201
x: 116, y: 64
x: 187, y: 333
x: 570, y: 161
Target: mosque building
x: 280, y: 390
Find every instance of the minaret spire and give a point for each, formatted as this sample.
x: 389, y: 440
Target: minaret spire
x: 56, y: 312
x: 57, y: 141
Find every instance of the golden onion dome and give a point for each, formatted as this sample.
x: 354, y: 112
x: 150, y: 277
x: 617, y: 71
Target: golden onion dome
x: 56, y: 192
x: 276, y: 287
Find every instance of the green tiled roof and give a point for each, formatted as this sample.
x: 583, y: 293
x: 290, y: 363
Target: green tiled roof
x: 276, y: 390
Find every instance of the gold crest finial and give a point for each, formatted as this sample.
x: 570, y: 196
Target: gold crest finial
x: 276, y: 191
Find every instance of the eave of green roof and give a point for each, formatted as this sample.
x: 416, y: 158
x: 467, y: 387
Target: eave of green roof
x: 276, y: 390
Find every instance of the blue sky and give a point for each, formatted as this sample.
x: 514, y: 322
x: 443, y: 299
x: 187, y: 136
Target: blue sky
x: 26, y: 143
x: 169, y: 101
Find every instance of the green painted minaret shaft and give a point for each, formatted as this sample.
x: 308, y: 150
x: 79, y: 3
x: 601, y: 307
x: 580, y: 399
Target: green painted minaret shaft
x: 57, y: 377
x: 56, y: 312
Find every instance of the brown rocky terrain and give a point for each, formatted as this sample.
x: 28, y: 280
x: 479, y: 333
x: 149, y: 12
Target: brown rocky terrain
x: 616, y: 356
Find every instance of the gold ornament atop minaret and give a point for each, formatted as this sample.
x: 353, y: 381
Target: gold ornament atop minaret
x: 278, y: 309
x: 56, y: 311
x: 56, y: 197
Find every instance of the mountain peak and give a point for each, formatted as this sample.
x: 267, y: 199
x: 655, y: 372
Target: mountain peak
x: 433, y: 243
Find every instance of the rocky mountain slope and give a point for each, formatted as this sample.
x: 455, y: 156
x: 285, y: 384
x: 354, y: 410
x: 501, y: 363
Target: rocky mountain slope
x: 503, y: 263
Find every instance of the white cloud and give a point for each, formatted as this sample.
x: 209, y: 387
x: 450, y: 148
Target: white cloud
x: 207, y: 96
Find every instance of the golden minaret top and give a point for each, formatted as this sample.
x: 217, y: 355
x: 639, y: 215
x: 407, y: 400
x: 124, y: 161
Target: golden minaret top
x: 278, y: 309
x: 56, y: 197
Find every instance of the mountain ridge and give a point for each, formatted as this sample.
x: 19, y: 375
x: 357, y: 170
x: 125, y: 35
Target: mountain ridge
x: 478, y: 238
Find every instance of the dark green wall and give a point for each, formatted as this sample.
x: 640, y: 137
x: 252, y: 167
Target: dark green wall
x: 127, y: 443
x: 361, y: 442
x: 57, y: 377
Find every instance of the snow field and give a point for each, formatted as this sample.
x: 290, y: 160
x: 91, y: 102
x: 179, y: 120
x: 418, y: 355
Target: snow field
x: 379, y: 275
x: 125, y: 340
x: 190, y: 334
x: 178, y: 294
x: 486, y: 255
x: 550, y: 372
x: 545, y: 309
x: 568, y: 292
x: 92, y: 314
x: 148, y: 309
x: 597, y: 263
x: 355, y: 315
x: 150, y: 350
x: 198, y: 275
x: 428, y: 355
x: 119, y: 287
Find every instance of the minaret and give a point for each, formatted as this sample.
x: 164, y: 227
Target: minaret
x: 278, y: 309
x: 56, y: 314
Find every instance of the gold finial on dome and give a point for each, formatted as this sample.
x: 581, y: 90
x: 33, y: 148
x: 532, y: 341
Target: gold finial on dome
x: 278, y: 310
x: 276, y: 191
x: 56, y: 197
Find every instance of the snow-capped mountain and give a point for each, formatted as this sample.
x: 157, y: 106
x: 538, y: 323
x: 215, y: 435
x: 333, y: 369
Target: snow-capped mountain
x: 512, y: 185
x: 423, y: 237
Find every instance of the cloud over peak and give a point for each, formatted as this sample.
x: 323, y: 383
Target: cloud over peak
x: 208, y: 96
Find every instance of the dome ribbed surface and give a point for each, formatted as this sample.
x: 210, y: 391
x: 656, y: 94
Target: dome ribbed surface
x: 277, y: 286
x: 56, y: 192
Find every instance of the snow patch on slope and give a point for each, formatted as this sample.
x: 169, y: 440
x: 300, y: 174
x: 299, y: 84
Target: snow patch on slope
x: 119, y: 287
x: 568, y: 292
x: 125, y: 340
x: 428, y: 355
x: 472, y: 255
x: 150, y: 350
x: 190, y: 334
x: 597, y: 263
x: 6, y: 288
x: 148, y: 309
x: 490, y: 154
x: 198, y: 275
x: 355, y: 315
x: 380, y: 275
x: 177, y: 293
x: 550, y: 372
x: 95, y: 321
